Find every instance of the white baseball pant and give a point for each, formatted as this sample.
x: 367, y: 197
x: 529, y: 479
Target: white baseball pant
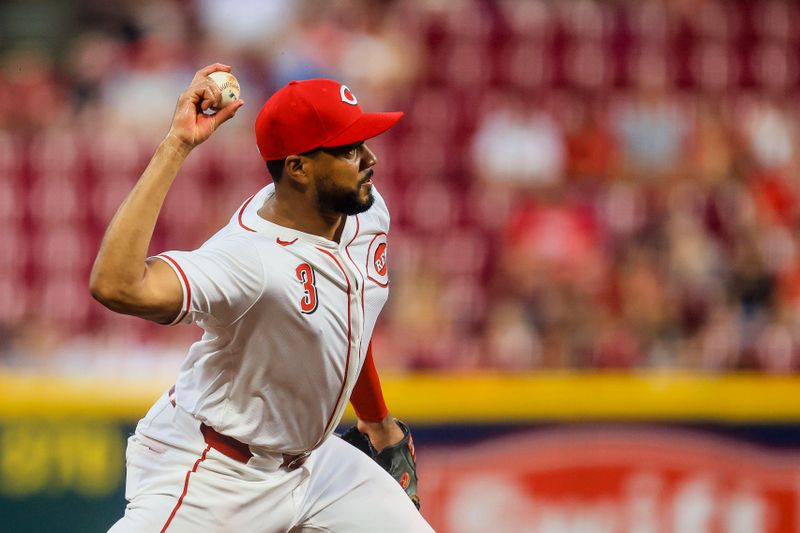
x: 176, y: 482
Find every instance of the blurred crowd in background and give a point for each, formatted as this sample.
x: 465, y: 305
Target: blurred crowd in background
x: 576, y: 184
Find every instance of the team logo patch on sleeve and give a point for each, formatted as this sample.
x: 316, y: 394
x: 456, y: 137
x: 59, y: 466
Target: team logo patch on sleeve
x: 377, y: 267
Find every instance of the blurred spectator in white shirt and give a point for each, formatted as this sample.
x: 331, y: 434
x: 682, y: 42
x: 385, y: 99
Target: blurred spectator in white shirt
x: 518, y: 146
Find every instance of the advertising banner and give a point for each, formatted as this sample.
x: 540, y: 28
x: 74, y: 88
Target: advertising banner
x: 611, y: 480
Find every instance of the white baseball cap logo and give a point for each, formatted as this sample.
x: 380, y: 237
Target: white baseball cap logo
x: 347, y: 95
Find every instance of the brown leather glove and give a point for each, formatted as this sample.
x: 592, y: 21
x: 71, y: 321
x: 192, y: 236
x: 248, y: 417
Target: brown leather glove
x: 399, y: 459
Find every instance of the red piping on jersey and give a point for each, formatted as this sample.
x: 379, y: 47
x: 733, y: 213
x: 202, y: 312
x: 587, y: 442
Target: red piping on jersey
x: 285, y: 243
x: 185, y: 488
x: 347, y: 361
x: 358, y: 226
x: 185, y: 284
x: 241, y: 212
x: 346, y: 249
x: 363, y: 281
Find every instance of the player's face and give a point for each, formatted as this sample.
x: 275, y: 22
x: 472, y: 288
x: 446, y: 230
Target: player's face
x: 343, y: 179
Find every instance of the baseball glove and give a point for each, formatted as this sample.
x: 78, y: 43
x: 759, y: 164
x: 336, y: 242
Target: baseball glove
x: 399, y: 459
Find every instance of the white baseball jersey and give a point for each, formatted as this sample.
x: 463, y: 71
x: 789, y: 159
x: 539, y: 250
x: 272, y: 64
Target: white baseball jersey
x: 287, y: 317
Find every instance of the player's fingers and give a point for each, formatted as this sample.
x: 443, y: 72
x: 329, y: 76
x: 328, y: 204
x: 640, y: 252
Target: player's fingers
x: 196, y: 91
x: 210, y: 98
x: 205, y: 100
x: 227, y: 112
x: 205, y: 71
x: 216, y: 92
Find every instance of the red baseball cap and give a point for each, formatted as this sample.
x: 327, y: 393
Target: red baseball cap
x: 316, y: 113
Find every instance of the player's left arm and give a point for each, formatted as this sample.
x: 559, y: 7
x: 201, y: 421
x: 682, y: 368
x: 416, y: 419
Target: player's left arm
x: 367, y: 400
x: 378, y: 434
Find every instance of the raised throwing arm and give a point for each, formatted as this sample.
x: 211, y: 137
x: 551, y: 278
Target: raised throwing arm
x: 121, y: 278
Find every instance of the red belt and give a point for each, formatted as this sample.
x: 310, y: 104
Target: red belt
x: 226, y: 445
x: 237, y: 450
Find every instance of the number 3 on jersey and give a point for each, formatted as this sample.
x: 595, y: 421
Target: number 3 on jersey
x: 305, y: 274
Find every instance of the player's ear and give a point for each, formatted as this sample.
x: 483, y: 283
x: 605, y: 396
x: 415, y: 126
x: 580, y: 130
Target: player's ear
x: 295, y: 169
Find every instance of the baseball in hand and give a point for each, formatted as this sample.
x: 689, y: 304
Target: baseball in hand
x: 228, y: 85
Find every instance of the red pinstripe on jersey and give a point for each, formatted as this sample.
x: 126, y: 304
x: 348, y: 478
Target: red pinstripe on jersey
x: 347, y: 249
x: 185, y: 281
x: 349, y: 332
x: 241, y: 213
x: 185, y: 488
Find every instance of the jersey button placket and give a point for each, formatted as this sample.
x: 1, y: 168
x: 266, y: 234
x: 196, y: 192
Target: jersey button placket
x: 355, y: 304
x: 340, y: 266
x: 357, y: 318
x: 356, y: 329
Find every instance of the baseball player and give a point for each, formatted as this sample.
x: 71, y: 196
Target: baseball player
x: 287, y: 294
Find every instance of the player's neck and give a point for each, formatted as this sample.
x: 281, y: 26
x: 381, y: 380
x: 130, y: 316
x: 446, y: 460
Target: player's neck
x: 300, y: 216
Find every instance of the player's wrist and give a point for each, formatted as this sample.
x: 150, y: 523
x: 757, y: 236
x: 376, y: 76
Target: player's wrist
x: 175, y: 145
x: 383, y: 433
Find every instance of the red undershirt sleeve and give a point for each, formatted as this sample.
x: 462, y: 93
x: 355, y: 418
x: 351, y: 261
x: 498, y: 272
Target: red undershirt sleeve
x: 367, y: 397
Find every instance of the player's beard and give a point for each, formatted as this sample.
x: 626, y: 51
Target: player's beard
x: 333, y: 198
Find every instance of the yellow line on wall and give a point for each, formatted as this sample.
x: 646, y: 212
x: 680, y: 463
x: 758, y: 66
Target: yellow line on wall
x: 569, y: 396
x: 467, y: 398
